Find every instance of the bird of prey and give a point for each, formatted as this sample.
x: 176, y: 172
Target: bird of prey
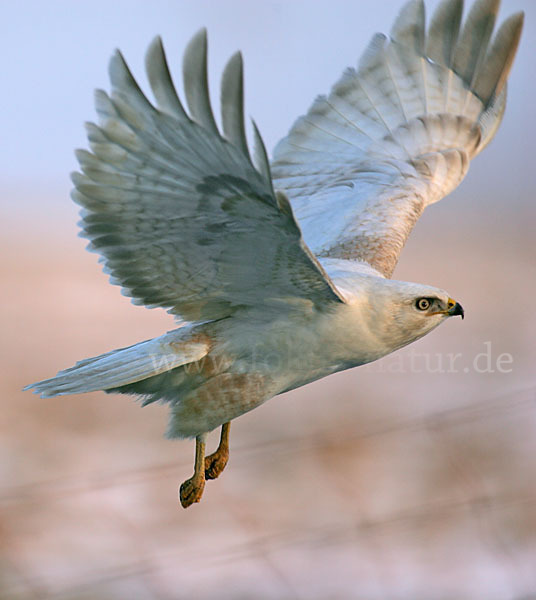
x: 279, y: 274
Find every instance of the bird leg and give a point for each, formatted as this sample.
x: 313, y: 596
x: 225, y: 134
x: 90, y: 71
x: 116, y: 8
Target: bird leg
x: 215, y: 463
x: 192, y: 489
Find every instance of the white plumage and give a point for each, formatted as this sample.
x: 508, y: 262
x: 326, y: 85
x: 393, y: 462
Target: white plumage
x: 279, y: 273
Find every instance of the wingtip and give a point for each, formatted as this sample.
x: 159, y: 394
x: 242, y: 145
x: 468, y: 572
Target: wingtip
x: 411, y: 6
x: 479, y: 10
x: 235, y: 64
x: 117, y: 56
x: 515, y: 22
x: 261, y: 161
x: 197, y: 46
x: 200, y: 38
x: 117, y: 68
x: 490, y: 6
x: 518, y: 17
x: 155, y: 45
x: 236, y: 59
x: 409, y: 25
x: 195, y: 80
x: 443, y: 31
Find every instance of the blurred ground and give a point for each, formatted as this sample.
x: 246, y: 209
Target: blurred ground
x: 411, y: 478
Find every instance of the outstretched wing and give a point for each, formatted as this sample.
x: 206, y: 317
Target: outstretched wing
x: 397, y: 134
x: 179, y: 213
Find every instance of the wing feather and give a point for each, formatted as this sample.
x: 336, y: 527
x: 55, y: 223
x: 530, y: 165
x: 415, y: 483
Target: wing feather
x: 232, y: 103
x: 397, y: 134
x: 180, y: 215
x: 443, y: 32
x: 194, y: 69
x: 161, y: 83
x: 492, y: 77
x: 472, y: 44
x: 408, y: 28
x: 261, y: 156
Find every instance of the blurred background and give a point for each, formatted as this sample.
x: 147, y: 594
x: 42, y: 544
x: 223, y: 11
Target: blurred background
x: 411, y: 478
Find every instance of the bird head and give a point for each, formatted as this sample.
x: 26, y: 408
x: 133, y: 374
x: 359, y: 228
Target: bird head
x: 403, y: 312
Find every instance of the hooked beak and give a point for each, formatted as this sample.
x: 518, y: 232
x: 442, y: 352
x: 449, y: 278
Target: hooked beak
x: 454, y: 309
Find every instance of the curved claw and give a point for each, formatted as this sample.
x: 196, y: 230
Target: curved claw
x: 215, y: 463
x: 191, y: 491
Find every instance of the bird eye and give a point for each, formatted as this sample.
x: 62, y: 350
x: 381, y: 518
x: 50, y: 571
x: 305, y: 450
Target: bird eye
x: 423, y: 303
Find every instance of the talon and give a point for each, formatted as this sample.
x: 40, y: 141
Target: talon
x: 215, y: 463
x: 191, y: 491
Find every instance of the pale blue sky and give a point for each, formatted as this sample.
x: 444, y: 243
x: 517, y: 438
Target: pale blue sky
x: 55, y: 53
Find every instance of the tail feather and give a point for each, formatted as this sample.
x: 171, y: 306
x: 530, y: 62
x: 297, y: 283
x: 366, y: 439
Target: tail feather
x: 126, y: 365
